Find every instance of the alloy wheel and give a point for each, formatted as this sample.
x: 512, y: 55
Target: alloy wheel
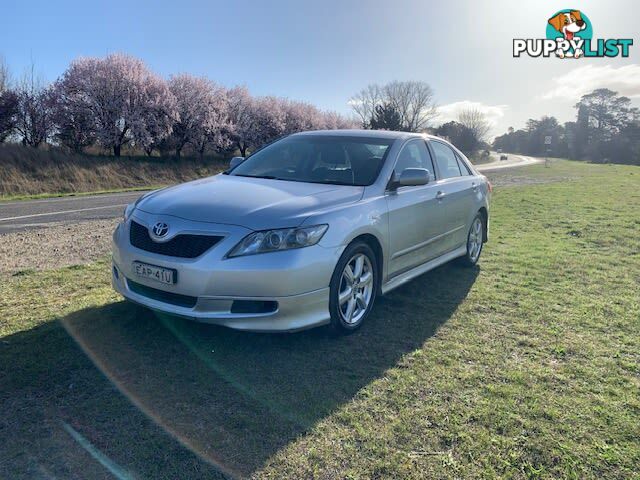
x: 474, y: 242
x: 356, y: 289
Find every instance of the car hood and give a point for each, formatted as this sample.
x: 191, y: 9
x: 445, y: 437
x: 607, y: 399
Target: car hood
x: 254, y: 203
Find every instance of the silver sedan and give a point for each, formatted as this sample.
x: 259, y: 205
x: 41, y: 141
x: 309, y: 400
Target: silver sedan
x: 306, y: 231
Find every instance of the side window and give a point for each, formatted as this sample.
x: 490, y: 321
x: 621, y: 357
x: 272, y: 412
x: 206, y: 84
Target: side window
x: 446, y: 160
x: 464, y: 170
x: 414, y: 155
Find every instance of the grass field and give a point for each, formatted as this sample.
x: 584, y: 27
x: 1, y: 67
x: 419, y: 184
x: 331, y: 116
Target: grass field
x: 527, y: 367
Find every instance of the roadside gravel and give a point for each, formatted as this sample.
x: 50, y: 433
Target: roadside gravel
x: 55, y: 246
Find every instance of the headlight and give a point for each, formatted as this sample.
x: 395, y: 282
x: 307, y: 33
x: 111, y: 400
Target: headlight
x: 128, y: 210
x: 281, y: 239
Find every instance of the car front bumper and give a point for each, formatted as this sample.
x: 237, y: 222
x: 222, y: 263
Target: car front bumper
x: 290, y: 288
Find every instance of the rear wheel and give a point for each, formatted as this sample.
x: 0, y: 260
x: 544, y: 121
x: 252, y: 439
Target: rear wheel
x: 475, y: 241
x: 353, y: 288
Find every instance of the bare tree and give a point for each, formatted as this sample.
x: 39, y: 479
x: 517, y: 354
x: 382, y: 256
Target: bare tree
x: 5, y: 77
x: 33, y: 120
x: 8, y: 103
x: 365, y: 102
x: 476, y: 121
x: 412, y: 100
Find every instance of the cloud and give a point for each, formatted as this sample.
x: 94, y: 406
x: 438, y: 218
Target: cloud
x: 580, y: 81
x: 450, y: 111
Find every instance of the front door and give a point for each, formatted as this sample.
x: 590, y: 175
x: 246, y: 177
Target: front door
x: 415, y: 219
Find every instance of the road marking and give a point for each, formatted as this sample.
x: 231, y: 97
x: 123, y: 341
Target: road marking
x: 61, y: 212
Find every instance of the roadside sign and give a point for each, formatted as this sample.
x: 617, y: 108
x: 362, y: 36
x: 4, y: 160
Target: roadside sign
x: 547, y: 140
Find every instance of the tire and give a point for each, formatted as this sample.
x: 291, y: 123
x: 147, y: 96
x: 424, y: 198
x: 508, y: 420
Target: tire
x: 349, y: 308
x: 475, y: 242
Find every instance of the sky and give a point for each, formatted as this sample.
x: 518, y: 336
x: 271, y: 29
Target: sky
x: 324, y: 52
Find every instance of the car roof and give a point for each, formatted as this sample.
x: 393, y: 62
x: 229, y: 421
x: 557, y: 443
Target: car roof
x: 363, y: 133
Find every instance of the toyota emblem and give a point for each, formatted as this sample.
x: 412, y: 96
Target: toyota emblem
x: 160, y: 229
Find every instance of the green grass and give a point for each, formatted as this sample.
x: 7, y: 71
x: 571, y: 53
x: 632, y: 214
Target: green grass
x: 527, y: 367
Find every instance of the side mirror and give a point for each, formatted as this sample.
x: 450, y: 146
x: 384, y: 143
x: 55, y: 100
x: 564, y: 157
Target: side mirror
x: 412, y: 177
x: 235, y: 161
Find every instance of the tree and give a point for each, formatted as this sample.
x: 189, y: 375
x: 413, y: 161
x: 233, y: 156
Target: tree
x: 607, y: 112
x: 255, y: 121
x: 300, y: 116
x: 333, y: 121
x: 270, y: 120
x: 545, y: 127
x: 412, y: 100
x: 33, y: 118
x: 241, y: 119
x: 125, y: 100
x: 213, y: 132
x: 155, y: 121
x: 8, y: 113
x: 75, y: 125
x: 8, y: 103
x: 477, y: 123
x: 202, y: 113
x: 458, y: 134
x: 385, y: 117
x: 606, y: 126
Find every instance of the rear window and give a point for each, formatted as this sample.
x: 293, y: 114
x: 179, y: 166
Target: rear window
x: 446, y: 160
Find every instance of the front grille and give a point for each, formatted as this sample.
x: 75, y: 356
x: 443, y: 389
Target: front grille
x: 183, y: 245
x: 162, y: 296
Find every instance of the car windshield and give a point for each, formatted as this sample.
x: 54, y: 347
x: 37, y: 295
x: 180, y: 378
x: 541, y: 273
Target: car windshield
x: 333, y: 159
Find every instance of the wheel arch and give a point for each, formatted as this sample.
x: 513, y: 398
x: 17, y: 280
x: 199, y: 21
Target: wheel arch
x: 376, y: 246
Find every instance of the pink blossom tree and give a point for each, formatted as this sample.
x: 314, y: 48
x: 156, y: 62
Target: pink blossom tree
x: 155, y: 121
x: 202, y: 114
x: 333, y: 120
x: 124, y: 99
x: 270, y: 119
x: 243, y: 131
x: 301, y: 116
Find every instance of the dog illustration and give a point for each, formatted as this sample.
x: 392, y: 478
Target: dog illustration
x: 568, y: 24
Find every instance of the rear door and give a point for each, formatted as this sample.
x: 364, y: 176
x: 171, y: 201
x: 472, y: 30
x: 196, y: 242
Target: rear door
x: 414, y: 216
x: 455, y: 192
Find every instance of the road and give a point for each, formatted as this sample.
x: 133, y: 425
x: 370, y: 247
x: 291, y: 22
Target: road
x: 511, y: 162
x: 26, y: 214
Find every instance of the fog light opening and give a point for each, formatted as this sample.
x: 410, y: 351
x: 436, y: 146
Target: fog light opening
x: 253, y: 306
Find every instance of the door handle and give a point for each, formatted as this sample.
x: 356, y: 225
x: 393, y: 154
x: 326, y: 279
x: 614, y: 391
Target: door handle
x: 474, y: 186
x: 440, y: 195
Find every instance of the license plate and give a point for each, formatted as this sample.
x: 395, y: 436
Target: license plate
x: 153, y: 272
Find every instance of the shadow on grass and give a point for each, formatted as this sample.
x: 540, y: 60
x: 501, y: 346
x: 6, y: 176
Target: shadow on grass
x: 230, y: 399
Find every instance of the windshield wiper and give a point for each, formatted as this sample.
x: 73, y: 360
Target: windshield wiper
x: 334, y: 182
x: 269, y: 177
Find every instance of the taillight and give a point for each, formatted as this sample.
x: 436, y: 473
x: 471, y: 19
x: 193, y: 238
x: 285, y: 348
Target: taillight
x: 489, y: 186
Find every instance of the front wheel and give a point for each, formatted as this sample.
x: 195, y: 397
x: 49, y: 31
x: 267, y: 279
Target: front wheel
x: 475, y: 241
x: 353, y: 288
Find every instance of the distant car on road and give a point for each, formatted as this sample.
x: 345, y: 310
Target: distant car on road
x: 504, y: 157
x: 304, y: 232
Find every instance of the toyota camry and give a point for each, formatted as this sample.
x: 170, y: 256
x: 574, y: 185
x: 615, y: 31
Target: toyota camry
x: 306, y: 231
